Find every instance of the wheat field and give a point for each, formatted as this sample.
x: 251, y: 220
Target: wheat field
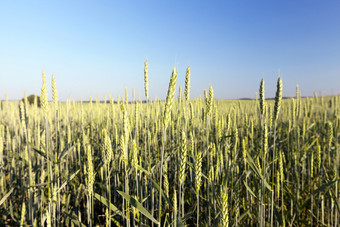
x: 177, y: 162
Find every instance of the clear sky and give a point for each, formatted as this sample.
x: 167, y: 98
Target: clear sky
x: 99, y: 47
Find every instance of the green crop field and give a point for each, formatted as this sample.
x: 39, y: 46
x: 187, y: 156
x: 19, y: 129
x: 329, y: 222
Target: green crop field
x: 181, y: 161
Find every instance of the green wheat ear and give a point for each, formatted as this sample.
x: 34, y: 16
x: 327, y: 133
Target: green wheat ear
x: 209, y: 100
x: 125, y: 124
x: 170, y: 97
x: 146, y: 79
x: 90, y: 172
x: 262, y: 98
x: 225, y: 214
x: 318, y: 147
x: 23, y: 116
x: 329, y: 127
x: 183, y: 158
x: 265, y: 140
x: 174, y: 203
x: 187, y: 84
x: 23, y: 214
x: 311, y: 164
x: 198, y: 170
x: 54, y: 92
x: 166, y: 179
x: 244, y: 151
x: 44, y: 102
x: 278, y: 99
x: 107, y: 147
x: 123, y: 147
x: 134, y: 154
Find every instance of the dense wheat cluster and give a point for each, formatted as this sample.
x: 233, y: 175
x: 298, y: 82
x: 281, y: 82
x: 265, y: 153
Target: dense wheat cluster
x: 199, y: 162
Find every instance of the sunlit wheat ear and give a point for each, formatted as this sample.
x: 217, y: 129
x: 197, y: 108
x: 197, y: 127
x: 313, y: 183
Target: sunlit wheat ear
x: 278, y: 99
x: 236, y: 138
x: 212, y: 150
x: 44, y: 101
x: 262, y: 98
x: 54, y: 92
x: 174, y: 204
x: 191, y: 108
x: 134, y: 154
x: 123, y: 149
x: 90, y: 173
x: 170, y: 97
x: 146, y: 79
x: 48, y: 219
x: 125, y: 124
x: 265, y: 140
x: 198, y: 171
x: 329, y: 127
x: 23, y: 116
x: 209, y: 100
x: 269, y: 116
x: 280, y: 175
x: 23, y: 214
x: 225, y: 214
x: 311, y: 164
x: 318, y: 147
x: 107, y: 222
x: 107, y: 147
x: 183, y: 158
x: 281, y: 160
x: 244, y: 151
x: 187, y: 85
x: 166, y: 179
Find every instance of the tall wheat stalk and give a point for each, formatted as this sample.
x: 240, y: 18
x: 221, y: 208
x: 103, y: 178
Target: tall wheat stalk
x: 166, y: 118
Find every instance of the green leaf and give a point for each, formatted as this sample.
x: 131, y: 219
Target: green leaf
x: 68, y: 180
x: 243, y: 216
x: 256, y: 170
x: 138, y: 167
x: 138, y: 206
x: 126, y: 161
x: 37, y: 185
x: 324, y: 187
x: 309, y: 147
x: 250, y: 191
x: 65, y: 151
x: 40, y: 152
x: 154, y: 183
x: 74, y: 219
x: 17, y: 156
x: 105, y: 202
x: 6, y: 196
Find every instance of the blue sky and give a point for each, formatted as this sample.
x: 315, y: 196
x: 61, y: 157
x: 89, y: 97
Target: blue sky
x: 99, y: 47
